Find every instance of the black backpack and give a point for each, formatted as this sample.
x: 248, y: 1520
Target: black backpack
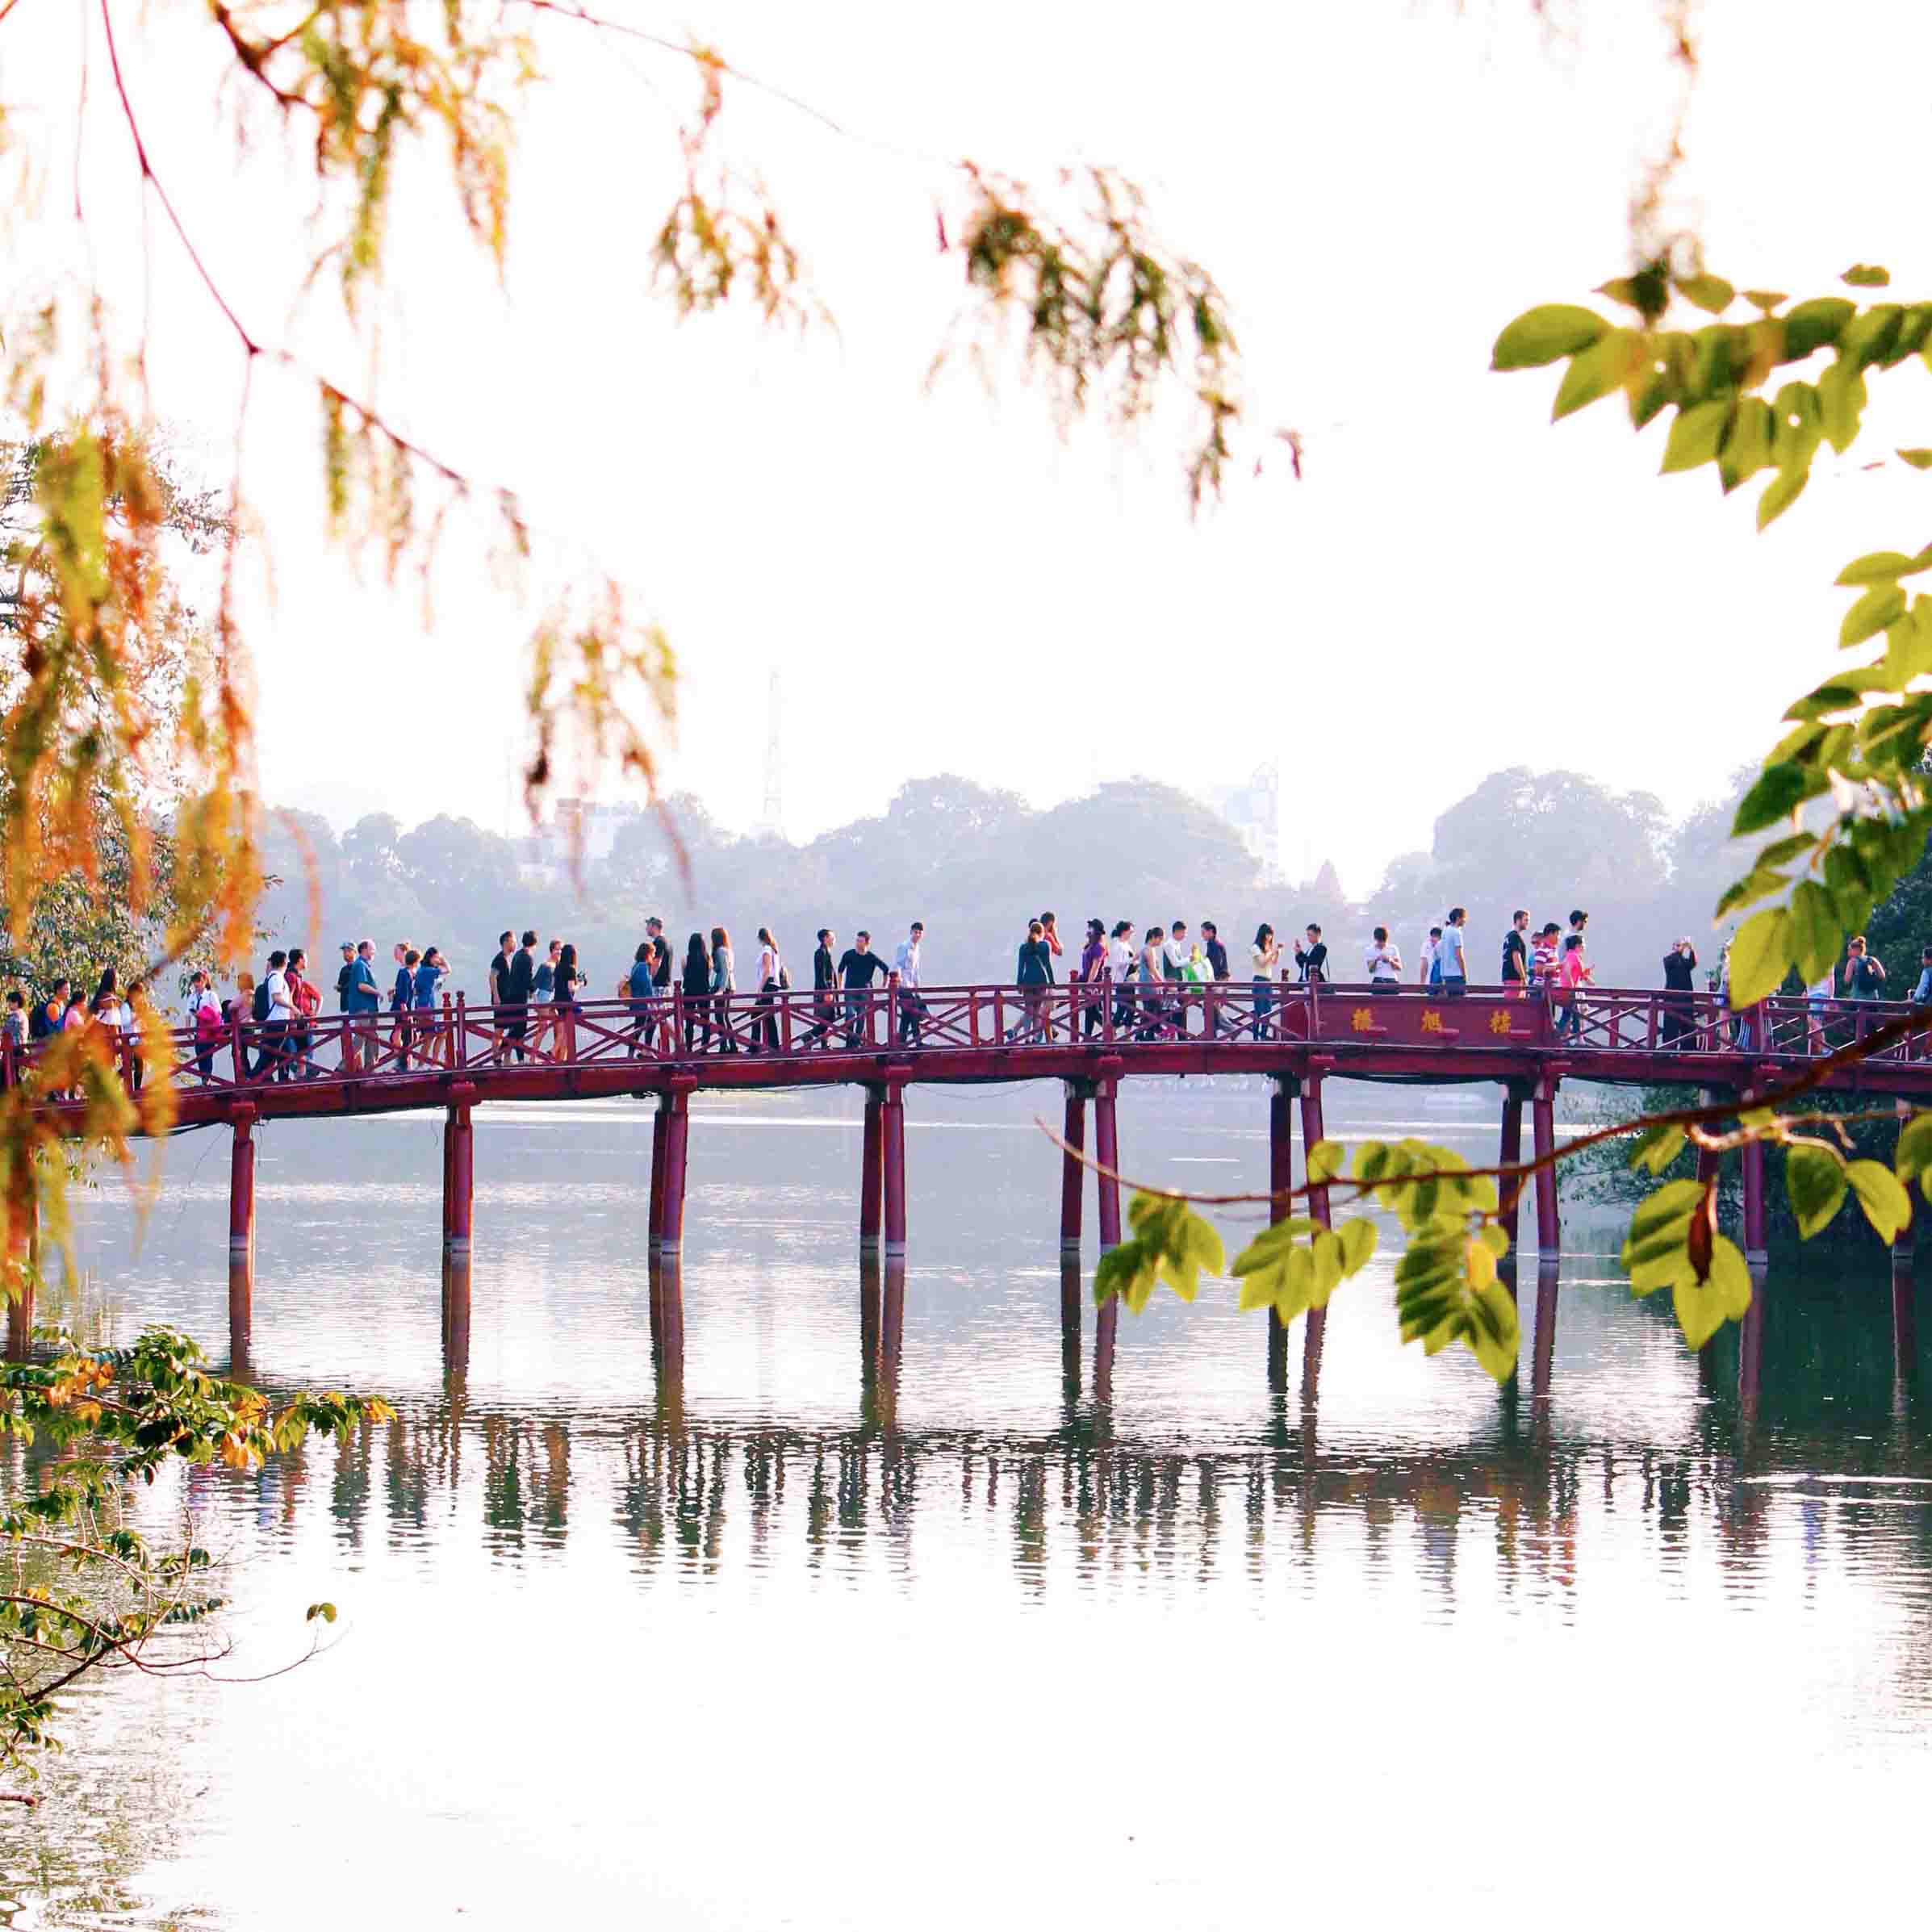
x: 259, y: 1008
x: 38, y: 1026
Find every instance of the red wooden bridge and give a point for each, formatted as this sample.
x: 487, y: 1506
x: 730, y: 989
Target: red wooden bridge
x: 1088, y: 1035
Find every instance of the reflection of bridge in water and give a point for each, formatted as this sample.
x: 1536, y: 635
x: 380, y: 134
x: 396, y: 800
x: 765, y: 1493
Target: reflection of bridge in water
x: 1087, y: 1036
x: 683, y: 1489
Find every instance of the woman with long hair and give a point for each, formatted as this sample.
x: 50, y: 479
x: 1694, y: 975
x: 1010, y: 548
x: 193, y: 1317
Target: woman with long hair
x: 563, y: 999
x: 770, y: 967
x: 723, y: 985
x: 1266, y: 954
x: 697, y: 995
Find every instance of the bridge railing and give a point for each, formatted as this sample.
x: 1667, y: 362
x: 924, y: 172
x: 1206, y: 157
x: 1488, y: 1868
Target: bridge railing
x: 455, y: 1036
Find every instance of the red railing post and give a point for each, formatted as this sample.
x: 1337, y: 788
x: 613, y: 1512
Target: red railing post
x: 241, y: 1060
x: 460, y: 1057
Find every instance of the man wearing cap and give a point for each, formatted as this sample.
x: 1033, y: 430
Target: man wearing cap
x: 344, y: 979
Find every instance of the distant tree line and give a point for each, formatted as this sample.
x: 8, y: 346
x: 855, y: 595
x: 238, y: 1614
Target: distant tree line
x: 974, y: 863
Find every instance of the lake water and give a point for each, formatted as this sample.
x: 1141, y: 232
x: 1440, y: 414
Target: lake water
x: 777, y: 1644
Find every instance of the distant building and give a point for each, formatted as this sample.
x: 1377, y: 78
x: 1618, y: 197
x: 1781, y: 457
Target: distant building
x: 580, y: 830
x: 1253, y: 808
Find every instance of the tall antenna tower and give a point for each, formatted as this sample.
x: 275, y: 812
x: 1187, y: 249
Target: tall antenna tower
x: 771, y: 822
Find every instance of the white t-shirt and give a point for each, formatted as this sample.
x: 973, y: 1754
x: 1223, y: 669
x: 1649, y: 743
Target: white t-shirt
x: 768, y: 966
x: 279, y: 1007
x: 1455, y: 966
x: 1173, y: 957
x: 1430, y: 947
x: 1120, y: 959
x: 1823, y: 988
x: 1262, y: 966
x: 906, y: 962
x: 1384, y: 963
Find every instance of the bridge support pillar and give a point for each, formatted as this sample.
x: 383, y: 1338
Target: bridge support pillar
x: 1756, y: 1242
x: 1280, y: 1179
x: 1315, y: 1322
x: 241, y: 1183
x: 1510, y: 1154
x: 1073, y: 1168
x: 459, y: 1176
x: 872, y: 1169
x: 456, y: 1311
x: 1906, y: 1246
x: 1106, y: 1151
x: 23, y: 1239
x: 677, y: 1136
x: 659, y: 1135
x: 241, y: 1313
x: 892, y: 1129
x: 1543, y: 1114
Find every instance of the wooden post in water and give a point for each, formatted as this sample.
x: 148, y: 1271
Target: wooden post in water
x: 1757, y: 1245
x: 659, y: 1122
x: 1509, y: 1153
x: 677, y: 1134
x: 1905, y: 1243
x: 1070, y: 1322
x: 456, y: 1311
x: 1316, y: 1321
x: 872, y: 1169
x: 23, y: 1239
x: 1072, y: 1169
x: 241, y: 1313
x: 892, y: 1130
x: 1281, y: 1178
x: 241, y: 1182
x: 1106, y: 1151
x: 459, y: 1170
x: 1543, y: 1114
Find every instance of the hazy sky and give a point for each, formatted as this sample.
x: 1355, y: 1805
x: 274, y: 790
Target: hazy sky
x: 947, y: 585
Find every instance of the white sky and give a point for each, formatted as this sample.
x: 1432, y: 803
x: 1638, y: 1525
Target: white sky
x: 945, y: 585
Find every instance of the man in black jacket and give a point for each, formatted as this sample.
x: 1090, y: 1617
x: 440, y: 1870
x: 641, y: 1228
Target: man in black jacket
x: 858, y: 966
x: 513, y: 993
x: 825, y: 978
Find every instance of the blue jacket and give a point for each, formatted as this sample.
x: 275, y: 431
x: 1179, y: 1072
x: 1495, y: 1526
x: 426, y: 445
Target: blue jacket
x: 363, y: 994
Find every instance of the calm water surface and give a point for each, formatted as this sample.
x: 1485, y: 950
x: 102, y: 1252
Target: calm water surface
x: 778, y: 1645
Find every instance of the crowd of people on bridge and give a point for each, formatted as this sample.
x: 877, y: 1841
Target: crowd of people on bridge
x: 1147, y: 980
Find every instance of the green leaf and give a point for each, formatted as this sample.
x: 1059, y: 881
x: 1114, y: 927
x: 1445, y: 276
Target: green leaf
x: 1814, y: 1179
x: 1919, y: 459
x: 1695, y: 435
x: 1783, y: 851
x: 1747, y: 443
x: 326, y: 1611
x: 1883, y: 604
x: 1815, y: 324
x: 1864, y: 275
x: 1914, y: 1154
x: 1437, y: 1304
x: 1887, y: 1205
x: 1656, y: 1147
x: 1326, y: 1160
x: 1358, y: 1238
x: 1546, y: 334
x: 1870, y: 337
x: 1129, y: 1271
x: 1760, y: 955
x: 1816, y: 933
x: 1760, y: 883
x: 1596, y: 370
x: 1841, y: 404
x: 1779, y: 790
x: 1764, y: 300
x: 1711, y: 293
x: 1780, y: 493
x: 1704, y: 1307
x: 1908, y: 647
x: 1878, y: 566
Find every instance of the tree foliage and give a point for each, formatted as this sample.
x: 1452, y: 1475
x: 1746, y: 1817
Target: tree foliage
x: 86, y: 1588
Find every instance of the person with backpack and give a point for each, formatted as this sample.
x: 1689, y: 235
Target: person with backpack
x: 205, y: 1018
x: 1864, y: 977
x: 44, y: 1021
x: 305, y: 996
x: 276, y: 1010
x: 402, y: 998
x: 638, y: 988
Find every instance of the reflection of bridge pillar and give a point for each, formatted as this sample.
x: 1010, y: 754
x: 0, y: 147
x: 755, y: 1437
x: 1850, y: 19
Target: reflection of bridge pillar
x: 871, y: 1168
x: 1905, y: 1243
x: 24, y: 1223
x: 891, y: 1336
x: 459, y: 1170
x: 1070, y: 1322
x: 893, y: 1132
x: 1106, y: 1152
x: 1280, y: 1180
x: 1756, y: 1244
x: 666, y: 1279
x: 1073, y: 1168
x: 659, y: 1135
x: 456, y: 1311
x: 1510, y: 1154
x: 1315, y: 1322
x: 677, y: 1136
x: 241, y: 1182
x: 868, y: 1316
x: 1542, y: 1115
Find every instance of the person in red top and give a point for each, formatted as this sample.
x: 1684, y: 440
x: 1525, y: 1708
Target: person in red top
x: 306, y: 998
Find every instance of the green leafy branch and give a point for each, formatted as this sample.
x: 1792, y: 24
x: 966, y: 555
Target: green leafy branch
x: 1859, y: 738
